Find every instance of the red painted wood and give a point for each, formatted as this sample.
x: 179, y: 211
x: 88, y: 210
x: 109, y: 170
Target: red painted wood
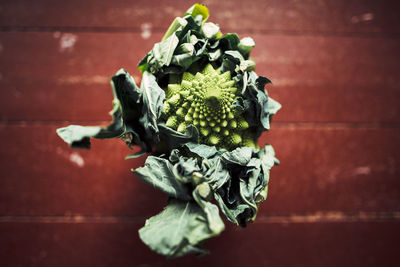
x: 42, y: 175
x: 345, y: 169
x: 334, y: 65
x: 273, y: 15
x: 117, y: 244
x: 323, y: 79
x: 322, y: 169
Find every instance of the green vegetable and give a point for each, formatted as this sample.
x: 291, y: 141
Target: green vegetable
x: 205, y: 100
x: 181, y: 227
x: 200, y: 110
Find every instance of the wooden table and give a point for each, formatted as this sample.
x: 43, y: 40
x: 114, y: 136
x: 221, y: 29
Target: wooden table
x: 333, y: 201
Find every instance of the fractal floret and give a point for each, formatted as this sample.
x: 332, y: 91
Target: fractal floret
x: 199, y: 112
x: 205, y: 100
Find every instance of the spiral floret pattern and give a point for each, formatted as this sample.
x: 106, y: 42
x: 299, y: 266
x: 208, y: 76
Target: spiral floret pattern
x: 205, y: 100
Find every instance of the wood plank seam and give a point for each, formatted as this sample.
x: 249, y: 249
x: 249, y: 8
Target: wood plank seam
x: 324, y: 217
x: 277, y: 124
x: 159, y: 30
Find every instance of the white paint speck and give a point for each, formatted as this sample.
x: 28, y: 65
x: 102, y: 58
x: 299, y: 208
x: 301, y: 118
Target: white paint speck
x: 367, y: 17
x: 362, y: 17
x: 56, y: 34
x: 67, y: 42
x: 146, y: 30
x: 362, y: 170
x: 81, y: 79
x: 77, y: 159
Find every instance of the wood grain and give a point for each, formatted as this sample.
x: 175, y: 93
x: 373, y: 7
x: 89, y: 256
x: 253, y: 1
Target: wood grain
x: 65, y: 76
x: 333, y: 168
x: 328, y: 16
x: 322, y: 169
x: 118, y: 244
x: 334, y: 199
x: 44, y: 176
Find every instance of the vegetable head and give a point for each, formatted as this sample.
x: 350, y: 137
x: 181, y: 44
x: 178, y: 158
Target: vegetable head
x: 205, y: 99
x: 200, y: 109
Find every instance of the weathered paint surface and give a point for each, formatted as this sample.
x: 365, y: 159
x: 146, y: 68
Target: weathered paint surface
x: 333, y: 201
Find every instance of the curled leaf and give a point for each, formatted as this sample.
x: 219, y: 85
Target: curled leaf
x: 158, y: 172
x: 181, y: 228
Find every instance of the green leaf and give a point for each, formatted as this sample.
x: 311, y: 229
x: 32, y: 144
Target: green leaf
x: 245, y: 46
x: 273, y: 106
x: 160, y: 55
x: 198, y: 9
x: 131, y: 105
x: 214, y: 55
x: 171, y: 139
x: 246, y: 66
x: 231, y: 59
x: 185, y: 169
x: 178, y: 23
x: 185, y: 48
x: 260, y: 106
x: 268, y: 160
x: 159, y: 173
x: 229, y: 41
x: 184, y: 60
x: 210, y: 30
x: 232, y: 211
x: 135, y: 115
x: 202, y: 150
x: 240, y: 105
x: 126, y: 109
x: 211, y: 211
x: 144, y: 64
x: 78, y: 136
x: 135, y: 155
x: 153, y: 99
x: 240, y: 156
x: 184, y: 55
x: 181, y: 228
x: 239, y: 179
x: 217, y: 175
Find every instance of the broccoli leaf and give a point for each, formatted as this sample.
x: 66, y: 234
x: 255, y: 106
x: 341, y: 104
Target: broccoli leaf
x: 211, y: 211
x: 210, y: 30
x: 171, y: 139
x: 188, y: 172
x: 238, y: 178
x: 160, y: 55
x: 230, y: 60
x: 245, y: 46
x: 260, y: 106
x: 153, y: 99
x: 229, y: 41
x: 159, y: 173
x: 202, y: 150
x: 178, y: 23
x: 198, y: 9
x: 135, y: 115
x: 181, y: 228
x: 249, y: 171
x: 78, y: 136
x: 127, y: 97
